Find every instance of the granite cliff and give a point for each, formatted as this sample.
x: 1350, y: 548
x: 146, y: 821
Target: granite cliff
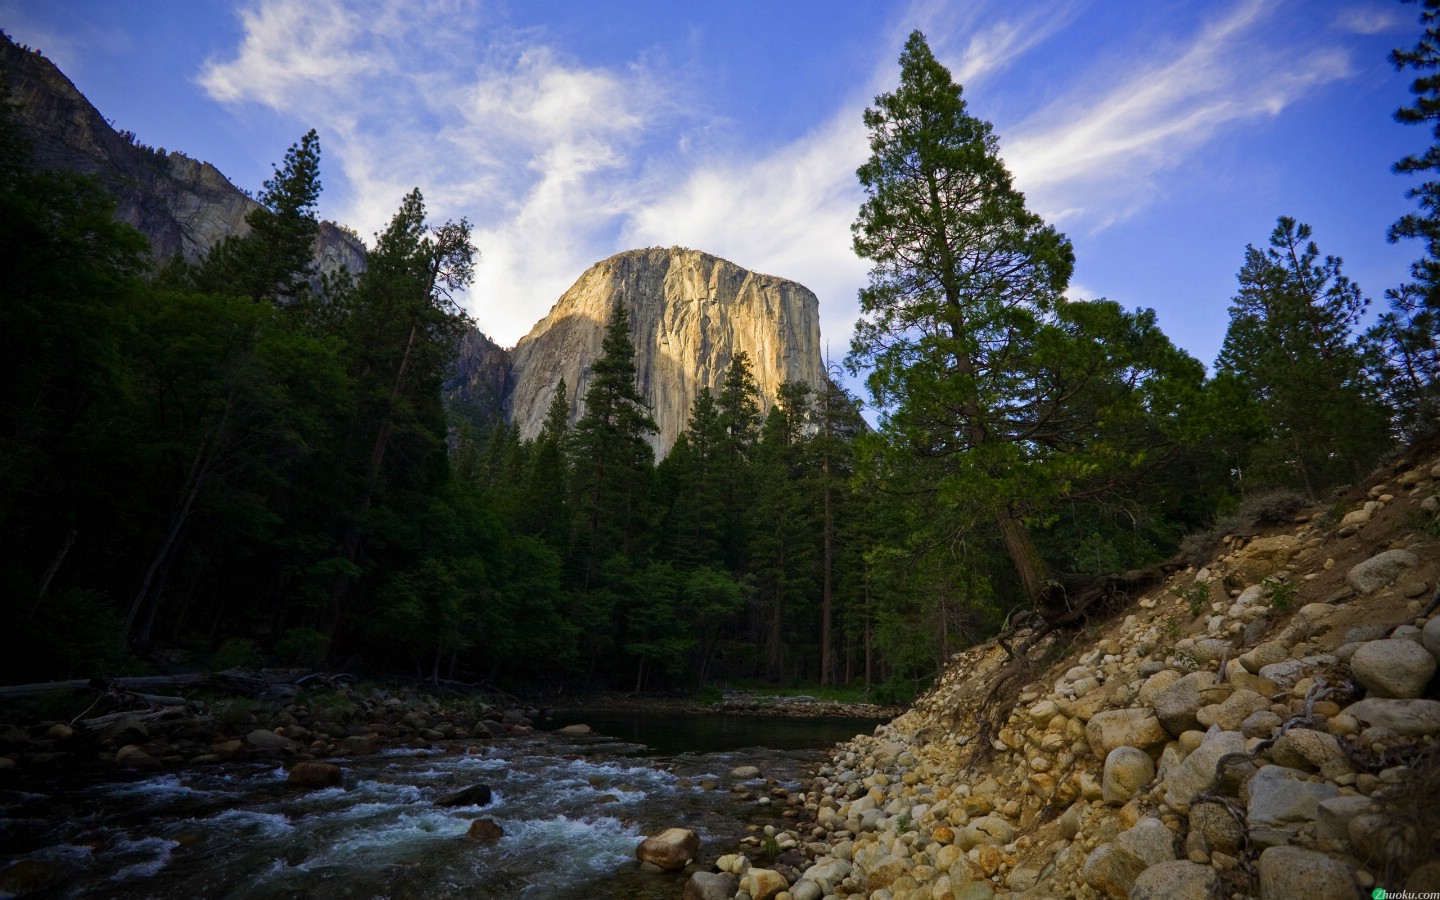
x: 690, y: 313
x: 181, y: 204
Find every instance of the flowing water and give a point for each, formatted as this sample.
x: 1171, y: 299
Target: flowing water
x: 573, y: 809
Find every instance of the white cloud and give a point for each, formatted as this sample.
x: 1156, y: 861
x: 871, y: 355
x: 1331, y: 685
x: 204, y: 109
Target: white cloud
x: 1093, y: 156
x: 560, y: 164
x: 492, y: 123
x: 1372, y: 19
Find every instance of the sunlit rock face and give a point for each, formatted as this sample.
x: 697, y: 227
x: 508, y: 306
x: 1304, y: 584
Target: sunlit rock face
x: 182, y: 205
x: 690, y: 313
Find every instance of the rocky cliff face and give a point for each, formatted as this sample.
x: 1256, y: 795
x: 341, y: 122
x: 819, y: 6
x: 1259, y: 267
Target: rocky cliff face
x: 182, y: 205
x: 690, y: 313
x: 481, y: 379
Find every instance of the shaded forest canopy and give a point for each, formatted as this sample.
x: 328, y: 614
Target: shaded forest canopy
x: 239, y: 461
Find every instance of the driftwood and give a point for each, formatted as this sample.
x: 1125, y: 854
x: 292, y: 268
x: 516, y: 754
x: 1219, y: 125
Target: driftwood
x: 1069, y: 599
x: 245, y: 684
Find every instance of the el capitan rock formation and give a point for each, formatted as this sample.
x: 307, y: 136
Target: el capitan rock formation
x: 690, y: 313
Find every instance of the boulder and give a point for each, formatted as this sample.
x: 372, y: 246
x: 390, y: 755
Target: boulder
x: 1175, y: 880
x: 1222, y: 833
x: 1148, y: 841
x: 1281, y: 802
x: 1294, y: 873
x: 671, y: 849
x: 1379, y: 570
x: 1261, y: 557
x: 1127, y: 770
x: 1125, y: 728
x: 1111, y: 870
x: 1408, y: 718
x: 1393, y: 668
x: 1197, y: 772
x: 575, y: 729
x: 269, y: 741
x: 309, y: 774
x: 886, y: 872
x: 1430, y: 637
x: 1332, y: 819
x: 474, y: 795
x: 1263, y: 655
x: 485, y: 830
x: 131, y: 756
x: 711, y: 886
x: 1231, y: 713
x: 1177, y: 705
x: 745, y: 773
x: 1304, y: 748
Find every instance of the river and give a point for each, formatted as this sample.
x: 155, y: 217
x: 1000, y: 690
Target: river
x: 572, y: 807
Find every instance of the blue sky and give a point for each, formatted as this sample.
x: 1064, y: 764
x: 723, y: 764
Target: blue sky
x: 1162, y: 137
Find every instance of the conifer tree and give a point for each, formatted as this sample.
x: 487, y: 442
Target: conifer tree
x: 613, y: 457
x: 1290, y: 345
x: 275, y: 262
x: 963, y: 275
x: 1406, y: 339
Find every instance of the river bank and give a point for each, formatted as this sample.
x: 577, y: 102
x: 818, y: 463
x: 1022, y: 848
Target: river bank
x: 1264, y: 725
x: 324, y: 716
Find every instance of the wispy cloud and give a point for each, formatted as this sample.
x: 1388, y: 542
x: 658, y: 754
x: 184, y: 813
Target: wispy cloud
x: 1092, y: 157
x: 559, y: 163
x: 1373, y: 18
x: 494, y: 124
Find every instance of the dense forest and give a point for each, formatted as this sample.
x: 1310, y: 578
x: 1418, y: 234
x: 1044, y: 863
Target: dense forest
x: 243, y: 461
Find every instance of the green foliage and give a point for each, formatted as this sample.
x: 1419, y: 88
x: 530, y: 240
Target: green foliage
x: 1289, y: 346
x: 234, y: 713
x: 1271, y: 507
x: 1405, y: 340
x: 1281, y: 593
x: 236, y: 653
x: 1196, y: 597
x: 1002, y: 401
x: 331, y: 706
x: 302, y: 646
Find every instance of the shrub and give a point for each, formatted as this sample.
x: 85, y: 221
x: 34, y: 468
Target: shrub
x: 1271, y: 506
x: 236, y: 653
x: 302, y: 647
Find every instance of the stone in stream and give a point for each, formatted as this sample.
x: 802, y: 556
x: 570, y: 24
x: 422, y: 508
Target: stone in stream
x: 745, y: 773
x: 309, y: 774
x: 484, y: 830
x: 475, y: 795
x: 671, y: 849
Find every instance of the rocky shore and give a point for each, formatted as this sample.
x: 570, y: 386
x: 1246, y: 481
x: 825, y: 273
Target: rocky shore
x: 323, y: 718
x: 1265, y: 726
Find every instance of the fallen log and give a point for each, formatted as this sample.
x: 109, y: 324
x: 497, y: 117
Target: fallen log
x: 229, y: 682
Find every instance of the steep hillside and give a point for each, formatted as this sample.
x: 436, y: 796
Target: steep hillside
x: 182, y: 205
x: 1264, y: 726
x: 690, y: 313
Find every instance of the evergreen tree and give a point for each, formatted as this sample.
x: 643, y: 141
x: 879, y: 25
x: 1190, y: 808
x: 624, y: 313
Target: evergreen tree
x: 275, y: 262
x: 613, y: 457
x: 545, y: 511
x: 1406, y: 340
x: 737, y: 410
x: 402, y: 325
x: 1290, y: 346
x: 783, y: 529
x: 1002, y: 393
x: 963, y: 275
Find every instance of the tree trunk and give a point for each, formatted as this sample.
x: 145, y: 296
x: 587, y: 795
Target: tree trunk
x: 200, y: 469
x: 1022, y: 552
